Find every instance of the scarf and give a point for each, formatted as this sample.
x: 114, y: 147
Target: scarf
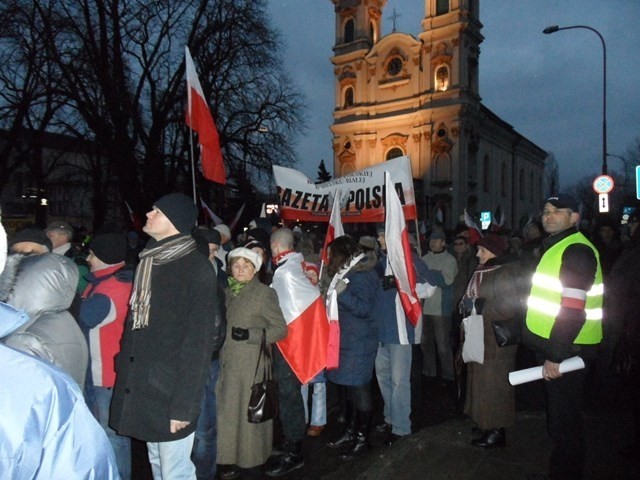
x: 141, y: 297
x: 235, y: 286
x: 476, y: 279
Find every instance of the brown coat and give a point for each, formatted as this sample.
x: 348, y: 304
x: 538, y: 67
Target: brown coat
x: 490, y: 398
x: 240, y: 442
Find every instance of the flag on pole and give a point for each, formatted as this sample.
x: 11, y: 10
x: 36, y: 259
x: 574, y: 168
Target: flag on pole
x: 236, y: 219
x: 214, y: 218
x: 399, y: 256
x: 497, y: 222
x: 199, y: 119
x: 334, y: 228
x: 475, y: 234
x: 305, y: 346
x: 135, y: 221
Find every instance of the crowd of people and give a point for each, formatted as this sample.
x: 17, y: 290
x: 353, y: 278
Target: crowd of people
x: 162, y: 342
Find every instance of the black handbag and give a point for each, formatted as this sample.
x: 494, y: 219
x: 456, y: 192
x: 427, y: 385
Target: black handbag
x: 263, y: 402
x: 507, y: 332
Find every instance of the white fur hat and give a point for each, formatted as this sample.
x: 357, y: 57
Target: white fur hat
x: 250, y: 255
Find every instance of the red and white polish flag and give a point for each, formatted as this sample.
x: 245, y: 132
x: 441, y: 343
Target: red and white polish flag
x: 399, y: 256
x: 305, y: 346
x: 199, y: 119
x: 334, y: 228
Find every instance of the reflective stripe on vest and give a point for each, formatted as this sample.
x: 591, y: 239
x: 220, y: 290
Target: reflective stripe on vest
x: 546, y: 295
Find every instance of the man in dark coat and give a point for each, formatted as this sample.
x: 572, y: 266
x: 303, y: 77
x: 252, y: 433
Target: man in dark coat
x: 166, y: 347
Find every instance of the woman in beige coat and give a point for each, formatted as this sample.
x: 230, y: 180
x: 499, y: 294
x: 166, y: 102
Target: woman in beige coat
x: 251, y: 308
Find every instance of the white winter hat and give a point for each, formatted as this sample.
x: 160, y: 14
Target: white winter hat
x: 223, y: 230
x: 250, y: 255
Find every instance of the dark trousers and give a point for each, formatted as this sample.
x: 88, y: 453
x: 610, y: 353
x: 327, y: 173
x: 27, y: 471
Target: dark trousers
x: 360, y: 396
x: 291, y: 408
x: 565, y: 422
x: 203, y: 455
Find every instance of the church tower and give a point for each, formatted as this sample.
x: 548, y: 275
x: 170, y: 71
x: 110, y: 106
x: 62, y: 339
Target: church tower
x: 401, y: 95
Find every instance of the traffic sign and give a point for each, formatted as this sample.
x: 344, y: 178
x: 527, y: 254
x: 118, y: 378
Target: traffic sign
x: 603, y: 184
x: 603, y: 202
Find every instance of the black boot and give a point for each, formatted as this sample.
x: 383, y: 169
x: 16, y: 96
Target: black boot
x: 361, y: 443
x: 349, y: 434
x: 290, y: 460
x: 491, y: 439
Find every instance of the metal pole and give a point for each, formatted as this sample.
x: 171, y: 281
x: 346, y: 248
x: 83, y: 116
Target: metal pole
x: 556, y: 28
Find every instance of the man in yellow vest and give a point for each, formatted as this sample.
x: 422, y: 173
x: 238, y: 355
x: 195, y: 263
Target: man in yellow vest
x: 564, y: 319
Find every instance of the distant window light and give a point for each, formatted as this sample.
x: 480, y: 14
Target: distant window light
x: 442, y: 7
x: 442, y: 78
x: 349, y: 30
x: 348, y: 97
x: 394, y: 152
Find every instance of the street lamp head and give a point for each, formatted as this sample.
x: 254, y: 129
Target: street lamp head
x: 551, y: 29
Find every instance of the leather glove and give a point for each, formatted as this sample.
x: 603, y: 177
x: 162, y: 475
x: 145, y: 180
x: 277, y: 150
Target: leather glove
x: 341, y: 286
x: 238, y: 333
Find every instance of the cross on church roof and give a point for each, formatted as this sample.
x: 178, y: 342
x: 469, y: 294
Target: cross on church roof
x: 394, y: 16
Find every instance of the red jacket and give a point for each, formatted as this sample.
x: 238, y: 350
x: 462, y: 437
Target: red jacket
x: 103, y: 311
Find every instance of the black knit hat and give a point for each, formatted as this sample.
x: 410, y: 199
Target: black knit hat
x: 180, y: 210
x: 111, y: 248
x: 30, y: 234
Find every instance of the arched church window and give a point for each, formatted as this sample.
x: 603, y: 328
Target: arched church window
x: 348, y: 97
x: 349, y: 30
x: 442, y: 78
x: 486, y: 174
x: 503, y: 179
x: 394, y: 152
x: 442, y: 7
x: 373, y: 33
x: 442, y: 168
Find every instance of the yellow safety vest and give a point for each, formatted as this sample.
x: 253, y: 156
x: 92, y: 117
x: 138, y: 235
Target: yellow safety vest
x: 546, y: 293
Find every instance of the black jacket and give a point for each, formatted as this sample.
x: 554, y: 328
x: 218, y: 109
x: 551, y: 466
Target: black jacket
x: 161, y: 369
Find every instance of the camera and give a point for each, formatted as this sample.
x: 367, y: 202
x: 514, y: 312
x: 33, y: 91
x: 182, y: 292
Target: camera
x: 388, y: 282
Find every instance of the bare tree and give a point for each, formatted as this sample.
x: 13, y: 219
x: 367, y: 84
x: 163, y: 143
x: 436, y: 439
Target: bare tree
x: 119, y: 66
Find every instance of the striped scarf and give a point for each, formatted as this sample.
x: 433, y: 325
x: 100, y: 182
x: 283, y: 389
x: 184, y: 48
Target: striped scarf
x: 141, y: 297
x: 476, y: 279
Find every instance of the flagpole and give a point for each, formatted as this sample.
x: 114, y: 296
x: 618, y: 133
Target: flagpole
x: 193, y: 164
x: 418, y: 237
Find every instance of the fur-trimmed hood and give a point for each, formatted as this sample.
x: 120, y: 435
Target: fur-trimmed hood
x: 368, y: 262
x: 39, y: 283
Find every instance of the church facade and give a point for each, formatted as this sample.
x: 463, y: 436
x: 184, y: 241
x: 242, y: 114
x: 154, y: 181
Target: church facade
x: 401, y: 95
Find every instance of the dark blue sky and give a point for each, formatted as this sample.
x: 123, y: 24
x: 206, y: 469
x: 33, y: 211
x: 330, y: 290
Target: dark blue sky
x: 548, y: 87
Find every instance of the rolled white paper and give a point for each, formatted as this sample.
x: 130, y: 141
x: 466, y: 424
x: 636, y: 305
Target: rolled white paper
x: 535, y: 373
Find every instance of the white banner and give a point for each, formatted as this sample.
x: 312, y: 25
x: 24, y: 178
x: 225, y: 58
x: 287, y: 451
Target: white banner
x: 362, y: 193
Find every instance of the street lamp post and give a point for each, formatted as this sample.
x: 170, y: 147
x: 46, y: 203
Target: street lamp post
x: 556, y: 28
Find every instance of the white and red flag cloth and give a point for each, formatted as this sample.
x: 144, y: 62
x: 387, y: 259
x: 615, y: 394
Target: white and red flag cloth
x: 475, y: 234
x: 305, y: 346
x: 334, y: 229
x: 136, y: 223
x: 236, y: 219
x: 199, y: 119
x: 212, y: 216
x: 399, y: 257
